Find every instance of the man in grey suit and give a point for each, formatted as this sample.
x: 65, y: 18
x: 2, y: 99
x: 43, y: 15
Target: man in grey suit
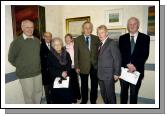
x: 109, y: 65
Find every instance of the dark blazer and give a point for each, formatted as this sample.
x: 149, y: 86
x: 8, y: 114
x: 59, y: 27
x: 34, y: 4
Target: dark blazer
x: 55, y: 68
x: 140, y: 53
x: 109, y: 60
x: 83, y: 58
x: 44, y: 52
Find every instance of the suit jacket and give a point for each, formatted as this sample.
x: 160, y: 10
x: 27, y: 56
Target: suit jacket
x: 83, y: 57
x: 44, y: 52
x: 109, y: 60
x: 140, y: 53
x: 55, y: 69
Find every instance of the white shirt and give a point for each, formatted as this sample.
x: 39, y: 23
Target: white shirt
x: 104, y: 41
x: 135, y: 36
x: 48, y: 45
x: 25, y: 37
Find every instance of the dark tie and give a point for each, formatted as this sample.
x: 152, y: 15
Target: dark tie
x: 100, y: 46
x: 87, y: 41
x: 132, y: 42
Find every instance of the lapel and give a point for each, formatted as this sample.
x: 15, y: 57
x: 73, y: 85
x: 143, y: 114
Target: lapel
x: 104, y: 45
x: 92, y: 42
x: 46, y: 47
x: 128, y: 44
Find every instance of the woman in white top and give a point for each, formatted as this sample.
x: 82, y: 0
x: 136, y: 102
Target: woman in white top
x: 74, y: 77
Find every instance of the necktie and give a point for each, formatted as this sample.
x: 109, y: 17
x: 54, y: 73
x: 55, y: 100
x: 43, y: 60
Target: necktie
x: 100, y: 46
x: 87, y: 41
x: 132, y: 42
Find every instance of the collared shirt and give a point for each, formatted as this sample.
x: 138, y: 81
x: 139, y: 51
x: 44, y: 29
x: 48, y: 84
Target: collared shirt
x: 48, y: 45
x: 135, y: 36
x: 104, y: 41
x: 88, y: 39
x: 25, y: 37
x: 70, y: 50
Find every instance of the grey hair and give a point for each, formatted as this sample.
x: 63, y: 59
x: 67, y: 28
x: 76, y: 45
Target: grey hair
x: 25, y: 21
x: 134, y: 18
x: 87, y: 22
x: 56, y: 39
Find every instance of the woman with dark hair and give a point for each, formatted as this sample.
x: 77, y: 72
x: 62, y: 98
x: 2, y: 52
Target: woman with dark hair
x: 74, y: 77
x: 59, y: 65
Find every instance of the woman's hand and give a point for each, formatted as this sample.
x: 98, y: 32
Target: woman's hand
x: 64, y: 74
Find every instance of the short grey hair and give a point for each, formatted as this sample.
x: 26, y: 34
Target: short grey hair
x: 87, y: 22
x: 134, y: 18
x: 56, y: 39
x: 25, y: 21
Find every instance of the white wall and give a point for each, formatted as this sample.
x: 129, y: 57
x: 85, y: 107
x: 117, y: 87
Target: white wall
x: 55, y: 23
x: 8, y: 38
x: 53, y: 16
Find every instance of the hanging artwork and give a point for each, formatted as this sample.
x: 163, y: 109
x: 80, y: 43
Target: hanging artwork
x: 34, y: 13
x: 151, y: 21
x: 74, y: 25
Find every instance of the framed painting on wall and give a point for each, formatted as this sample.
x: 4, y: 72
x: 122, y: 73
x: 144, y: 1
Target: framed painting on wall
x: 151, y: 21
x: 74, y: 25
x: 114, y: 17
x: 34, y: 13
x: 115, y: 33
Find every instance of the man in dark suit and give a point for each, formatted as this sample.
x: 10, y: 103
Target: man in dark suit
x: 134, y: 47
x: 109, y: 65
x: 44, y: 52
x: 85, y: 60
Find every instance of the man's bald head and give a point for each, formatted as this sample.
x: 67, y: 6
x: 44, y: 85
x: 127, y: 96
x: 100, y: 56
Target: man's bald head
x: 47, y: 37
x: 27, y: 27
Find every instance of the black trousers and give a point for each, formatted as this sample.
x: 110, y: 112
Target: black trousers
x: 47, y: 89
x: 134, y: 90
x: 84, y: 86
x: 75, y: 85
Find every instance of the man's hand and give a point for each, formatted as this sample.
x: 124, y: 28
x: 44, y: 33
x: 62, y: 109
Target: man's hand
x: 77, y: 70
x: 64, y: 74
x: 131, y: 68
x: 116, y: 77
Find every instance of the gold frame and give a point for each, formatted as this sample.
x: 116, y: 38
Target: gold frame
x: 120, y: 29
x: 68, y: 20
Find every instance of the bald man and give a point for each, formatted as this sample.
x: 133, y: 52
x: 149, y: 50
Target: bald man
x: 24, y: 54
x: 44, y: 52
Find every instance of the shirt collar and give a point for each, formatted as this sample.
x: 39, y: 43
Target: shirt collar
x: 25, y: 37
x: 135, y: 35
x: 104, y: 40
x: 86, y: 36
x: 70, y: 45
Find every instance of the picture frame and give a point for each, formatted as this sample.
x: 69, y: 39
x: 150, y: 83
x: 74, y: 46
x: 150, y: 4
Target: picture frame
x: 34, y: 13
x: 114, y: 17
x: 74, y: 25
x: 115, y: 33
x: 151, y: 21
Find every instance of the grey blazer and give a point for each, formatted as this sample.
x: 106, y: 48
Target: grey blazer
x: 109, y: 60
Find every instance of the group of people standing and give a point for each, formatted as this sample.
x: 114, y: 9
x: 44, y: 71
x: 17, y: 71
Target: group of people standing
x: 99, y: 57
